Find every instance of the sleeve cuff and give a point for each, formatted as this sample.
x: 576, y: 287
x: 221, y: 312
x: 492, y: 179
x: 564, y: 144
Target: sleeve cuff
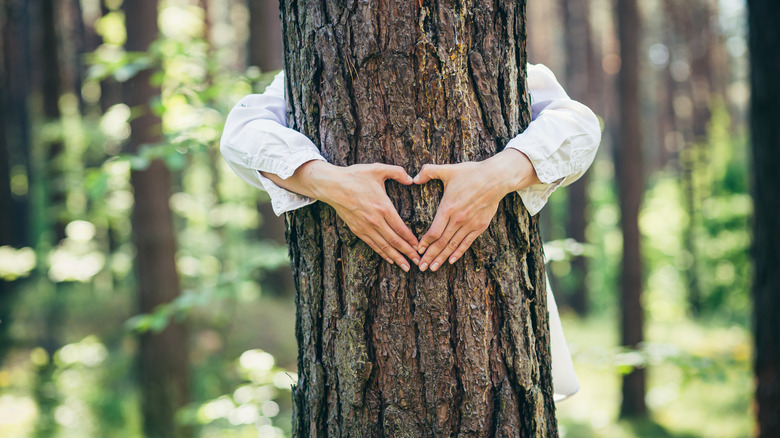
x: 282, y: 200
x: 535, y: 197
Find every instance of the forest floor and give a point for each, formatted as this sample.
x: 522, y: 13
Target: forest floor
x: 699, y: 381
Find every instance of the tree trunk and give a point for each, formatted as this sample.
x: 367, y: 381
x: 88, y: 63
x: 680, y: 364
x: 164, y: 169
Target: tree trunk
x: 51, y: 87
x: 628, y: 151
x: 695, y: 27
x: 764, y: 43
x: 163, y: 358
x: 461, y: 351
x: 265, y: 35
x: 581, y: 82
x: 14, y: 144
x: 266, y: 52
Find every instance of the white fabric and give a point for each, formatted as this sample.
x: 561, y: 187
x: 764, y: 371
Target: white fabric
x: 561, y: 143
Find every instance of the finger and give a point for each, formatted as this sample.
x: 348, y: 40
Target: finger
x: 449, y: 248
x: 396, y: 173
x: 428, y: 172
x: 391, y: 254
x: 370, y: 242
x: 464, y: 245
x: 406, y: 241
x: 436, y: 230
x: 438, y: 246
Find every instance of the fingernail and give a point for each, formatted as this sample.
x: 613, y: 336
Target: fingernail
x: 416, y: 261
x: 423, y: 267
x: 453, y: 259
x: 405, y: 267
x: 390, y: 261
x: 435, y: 266
x: 421, y: 249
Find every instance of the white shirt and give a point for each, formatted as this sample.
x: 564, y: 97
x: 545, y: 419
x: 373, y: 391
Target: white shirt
x: 561, y: 142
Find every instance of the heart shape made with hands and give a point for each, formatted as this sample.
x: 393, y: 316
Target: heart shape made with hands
x: 472, y: 192
x: 468, y: 204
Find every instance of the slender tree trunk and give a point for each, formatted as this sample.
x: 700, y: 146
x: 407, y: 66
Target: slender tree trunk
x: 163, y: 358
x: 764, y: 43
x: 695, y: 25
x: 266, y: 52
x: 14, y: 144
x: 461, y: 351
x: 628, y: 151
x: 265, y: 34
x: 51, y: 89
x: 580, y: 82
x: 542, y: 22
x: 14, y: 120
x: 47, y: 397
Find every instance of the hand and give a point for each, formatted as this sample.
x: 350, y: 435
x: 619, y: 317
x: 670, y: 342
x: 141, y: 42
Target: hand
x: 357, y: 193
x: 472, y: 191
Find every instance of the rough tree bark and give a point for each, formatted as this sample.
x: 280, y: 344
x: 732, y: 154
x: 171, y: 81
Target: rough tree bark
x: 628, y: 153
x: 764, y: 43
x: 462, y: 351
x: 163, y: 372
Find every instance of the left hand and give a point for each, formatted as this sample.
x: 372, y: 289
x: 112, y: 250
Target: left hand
x: 472, y: 191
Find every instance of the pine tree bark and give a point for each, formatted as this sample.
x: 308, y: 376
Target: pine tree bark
x: 628, y: 153
x: 462, y: 351
x: 163, y: 371
x: 764, y: 43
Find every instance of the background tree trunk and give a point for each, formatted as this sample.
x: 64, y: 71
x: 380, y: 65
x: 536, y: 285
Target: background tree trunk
x: 628, y: 151
x: 14, y: 145
x: 462, y: 351
x: 265, y: 35
x: 163, y: 371
x: 582, y: 85
x: 266, y: 52
x: 764, y: 43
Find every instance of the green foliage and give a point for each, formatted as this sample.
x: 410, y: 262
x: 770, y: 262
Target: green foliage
x: 86, y: 278
x: 76, y: 294
x: 253, y: 403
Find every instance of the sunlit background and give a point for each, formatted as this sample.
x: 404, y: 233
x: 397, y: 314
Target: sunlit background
x: 67, y: 279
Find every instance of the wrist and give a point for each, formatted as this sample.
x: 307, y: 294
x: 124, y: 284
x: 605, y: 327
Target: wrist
x: 315, y: 177
x: 513, y: 170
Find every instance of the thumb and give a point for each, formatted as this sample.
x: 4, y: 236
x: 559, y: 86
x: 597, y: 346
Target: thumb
x: 396, y: 173
x: 429, y: 172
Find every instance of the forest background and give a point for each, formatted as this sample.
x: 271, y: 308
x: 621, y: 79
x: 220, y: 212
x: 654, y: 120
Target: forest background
x: 69, y: 318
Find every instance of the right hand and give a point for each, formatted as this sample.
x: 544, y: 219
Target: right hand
x: 357, y: 193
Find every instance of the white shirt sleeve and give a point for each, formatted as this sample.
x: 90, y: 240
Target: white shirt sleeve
x: 256, y: 138
x: 561, y: 141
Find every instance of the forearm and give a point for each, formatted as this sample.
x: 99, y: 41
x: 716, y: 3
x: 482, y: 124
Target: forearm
x: 306, y: 180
